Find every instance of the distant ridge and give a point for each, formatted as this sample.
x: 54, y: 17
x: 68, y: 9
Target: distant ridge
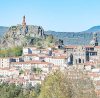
x: 3, y: 29
x: 69, y: 38
x: 77, y: 38
x: 93, y: 29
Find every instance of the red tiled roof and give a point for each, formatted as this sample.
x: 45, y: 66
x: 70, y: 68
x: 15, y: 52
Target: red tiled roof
x: 97, y: 46
x: 90, y: 63
x: 71, y: 46
x: 89, y: 46
x: 31, y: 62
x: 60, y: 57
x: 31, y: 55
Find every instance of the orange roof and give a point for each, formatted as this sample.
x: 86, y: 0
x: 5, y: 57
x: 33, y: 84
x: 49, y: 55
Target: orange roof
x: 97, y: 46
x: 56, y: 51
x: 71, y: 46
x: 90, y: 63
x: 6, y: 68
x: 18, y: 80
x: 89, y: 46
x: 31, y: 55
x: 94, y: 74
x: 60, y: 57
x: 31, y: 62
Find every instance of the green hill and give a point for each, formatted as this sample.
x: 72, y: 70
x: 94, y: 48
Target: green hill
x: 3, y: 30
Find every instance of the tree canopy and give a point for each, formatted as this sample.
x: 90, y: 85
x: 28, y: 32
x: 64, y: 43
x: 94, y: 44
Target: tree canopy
x: 9, y: 52
x: 67, y: 85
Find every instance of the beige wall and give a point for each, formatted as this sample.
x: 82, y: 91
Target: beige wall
x: 4, y: 62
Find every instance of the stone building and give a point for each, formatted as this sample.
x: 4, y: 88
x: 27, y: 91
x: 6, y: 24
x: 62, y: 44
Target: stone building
x: 82, y: 54
x: 79, y: 55
x: 5, y: 62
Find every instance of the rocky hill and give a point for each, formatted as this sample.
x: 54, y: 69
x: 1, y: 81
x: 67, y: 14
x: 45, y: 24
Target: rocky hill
x: 20, y: 36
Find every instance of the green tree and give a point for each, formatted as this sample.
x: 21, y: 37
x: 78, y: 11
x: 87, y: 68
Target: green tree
x: 21, y: 72
x: 15, y: 51
x: 52, y: 87
x: 49, y: 38
x: 67, y: 84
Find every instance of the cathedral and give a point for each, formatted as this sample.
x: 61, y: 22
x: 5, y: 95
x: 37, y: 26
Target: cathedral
x: 81, y: 54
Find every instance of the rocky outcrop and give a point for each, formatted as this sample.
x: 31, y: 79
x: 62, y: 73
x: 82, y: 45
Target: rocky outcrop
x: 19, y: 35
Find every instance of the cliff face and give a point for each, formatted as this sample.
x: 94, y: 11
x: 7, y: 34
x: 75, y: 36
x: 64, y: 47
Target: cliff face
x: 17, y: 35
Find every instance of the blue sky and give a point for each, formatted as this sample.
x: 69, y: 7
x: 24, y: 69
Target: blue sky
x: 58, y: 15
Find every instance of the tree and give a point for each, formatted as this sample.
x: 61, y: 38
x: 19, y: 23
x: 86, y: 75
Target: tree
x: 68, y: 84
x: 81, y: 86
x: 21, y: 72
x: 35, y: 92
x: 15, y: 51
x: 49, y: 38
x: 37, y: 88
x: 36, y: 70
x: 52, y: 87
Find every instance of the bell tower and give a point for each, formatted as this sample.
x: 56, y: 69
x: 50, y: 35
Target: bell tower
x: 94, y: 41
x: 95, y: 38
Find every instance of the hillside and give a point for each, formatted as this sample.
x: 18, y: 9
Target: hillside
x: 3, y: 30
x: 21, y: 36
x: 76, y: 38
x: 27, y: 35
x: 93, y: 29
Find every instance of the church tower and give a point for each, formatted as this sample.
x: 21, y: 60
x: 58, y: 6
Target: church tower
x: 95, y: 38
x: 94, y: 41
x: 23, y: 22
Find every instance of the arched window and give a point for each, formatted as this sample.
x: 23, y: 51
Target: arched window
x: 79, y: 60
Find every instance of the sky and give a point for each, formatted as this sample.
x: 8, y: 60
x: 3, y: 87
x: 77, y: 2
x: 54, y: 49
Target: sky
x: 56, y: 15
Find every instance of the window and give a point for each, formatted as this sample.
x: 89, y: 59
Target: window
x: 83, y: 60
x: 79, y: 60
x: 76, y: 61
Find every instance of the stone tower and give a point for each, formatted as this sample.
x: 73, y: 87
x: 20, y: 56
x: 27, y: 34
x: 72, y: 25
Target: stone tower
x: 94, y: 41
x: 23, y: 22
x: 24, y: 26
